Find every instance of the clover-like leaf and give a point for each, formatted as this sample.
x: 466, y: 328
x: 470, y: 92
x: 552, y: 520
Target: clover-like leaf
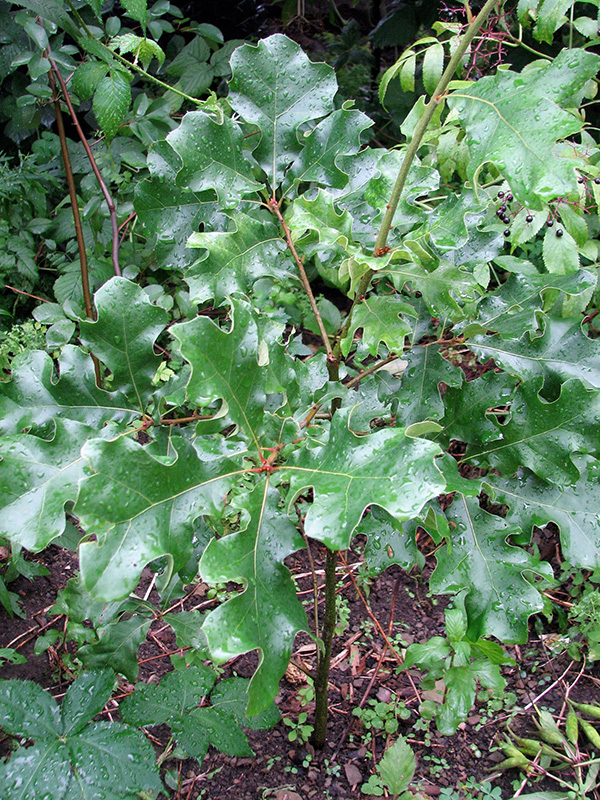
x: 350, y: 473
x: 123, y: 337
x: 501, y: 128
x: 278, y: 100
x: 213, y: 158
x: 267, y: 614
x: 478, y: 558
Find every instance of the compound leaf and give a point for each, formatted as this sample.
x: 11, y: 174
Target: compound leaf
x: 85, y: 698
x: 112, y: 99
x: 117, y: 646
x: 178, y: 692
x: 27, y: 711
x: 83, y: 759
x: 111, y: 761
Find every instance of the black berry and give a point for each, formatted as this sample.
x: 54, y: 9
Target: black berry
x: 559, y: 231
x: 506, y: 219
x: 507, y: 232
x: 500, y: 195
x: 581, y: 179
x: 528, y: 218
x: 550, y: 223
x: 509, y: 197
x: 596, y: 180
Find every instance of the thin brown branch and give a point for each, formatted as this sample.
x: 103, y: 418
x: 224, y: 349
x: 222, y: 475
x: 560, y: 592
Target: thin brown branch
x: 85, y: 277
x: 358, y: 378
x: 27, y: 294
x: 109, y: 201
x: 183, y: 420
x: 274, y: 207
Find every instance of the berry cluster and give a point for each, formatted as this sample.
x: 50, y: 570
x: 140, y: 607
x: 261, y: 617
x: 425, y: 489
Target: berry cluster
x: 503, y: 211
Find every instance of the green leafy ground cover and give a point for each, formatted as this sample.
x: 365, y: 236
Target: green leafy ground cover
x: 186, y: 422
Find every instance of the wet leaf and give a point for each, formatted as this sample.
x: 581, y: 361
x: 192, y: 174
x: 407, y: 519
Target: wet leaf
x: 36, y: 394
x: 267, y: 614
x: 532, y: 501
x: 278, y: 100
x: 350, y: 473
x: 72, y: 758
x: 496, y: 113
x: 38, y: 477
x: 123, y: 337
x: 236, y: 259
x: 212, y: 158
x: 544, y: 436
x: 152, y: 515
x: 563, y: 351
x: 498, y: 577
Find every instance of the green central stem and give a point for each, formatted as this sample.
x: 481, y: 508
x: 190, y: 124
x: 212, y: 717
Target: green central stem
x: 411, y: 151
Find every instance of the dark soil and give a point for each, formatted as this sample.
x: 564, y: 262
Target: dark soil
x: 363, y: 669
